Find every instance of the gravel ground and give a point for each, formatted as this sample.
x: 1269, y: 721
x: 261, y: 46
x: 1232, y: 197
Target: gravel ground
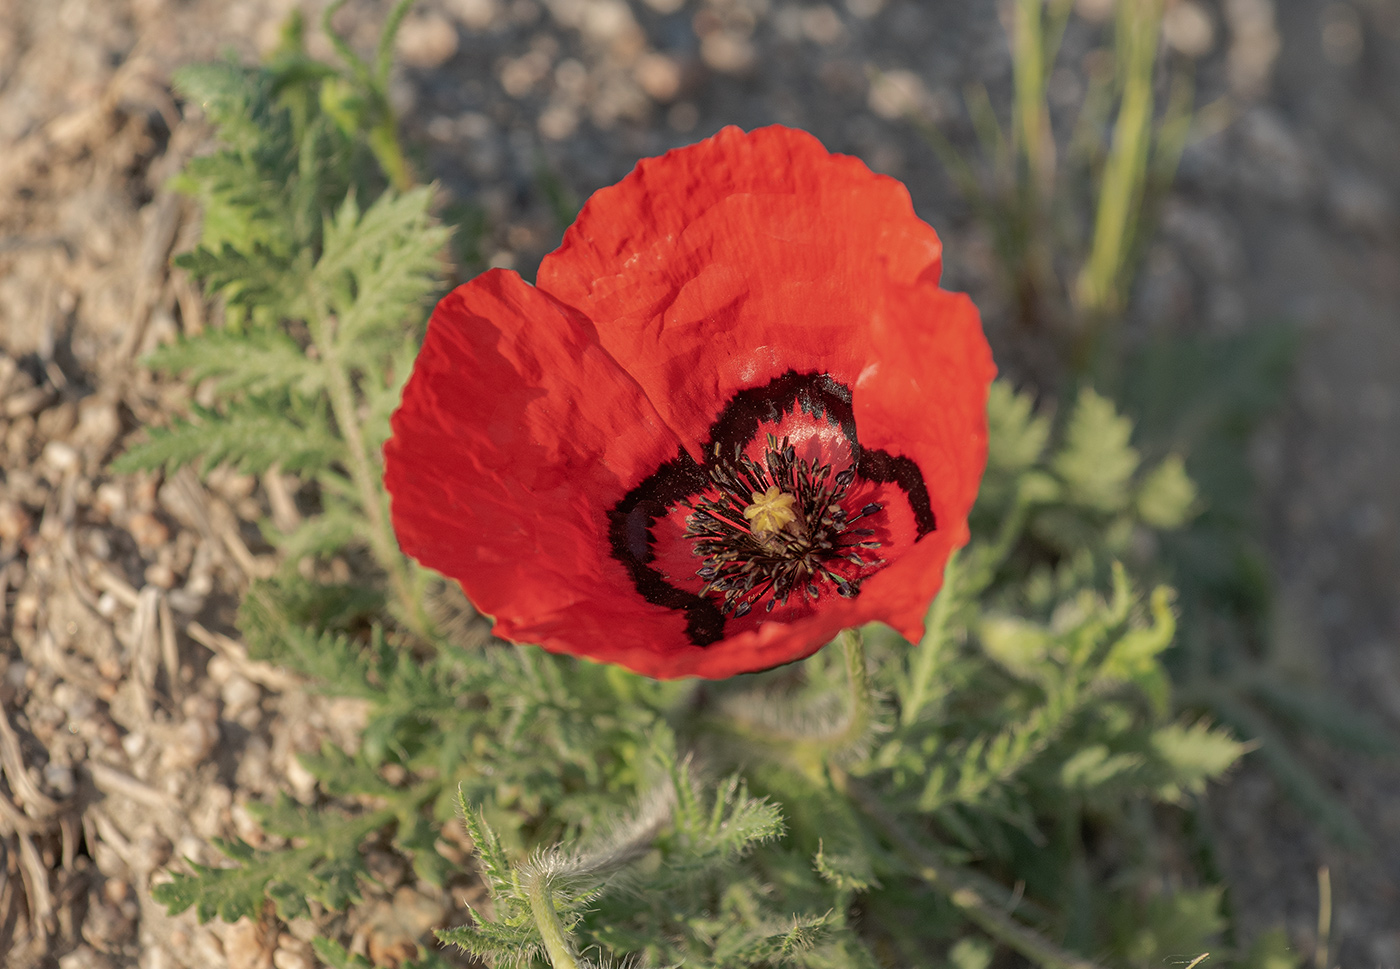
x: 135, y: 727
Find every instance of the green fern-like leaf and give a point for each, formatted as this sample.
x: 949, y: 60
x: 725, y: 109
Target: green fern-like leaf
x: 325, y: 866
x: 1016, y: 436
x: 1096, y: 462
x: 336, y: 956
x: 1193, y: 754
x: 502, y: 944
x: 329, y: 532
x: 229, y: 893
x: 236, y: 99
x: 246, y: 189
x: 1168, y: 496
x: 258, y: 363
x: 734, y: 824
x: 251, y: 434
x: 378, y: 265
x: 774, y: 945
x: 259, y: 281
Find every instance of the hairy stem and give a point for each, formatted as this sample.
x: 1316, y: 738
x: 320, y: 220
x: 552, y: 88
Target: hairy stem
x: 991, y: 918
x: 381, y: 536
x: 556, y: 939
x: 862, y: 705
x: 801, y: 741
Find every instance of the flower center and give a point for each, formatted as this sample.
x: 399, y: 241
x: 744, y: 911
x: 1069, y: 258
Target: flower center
x: 784, y: 510
x: 793, y: 535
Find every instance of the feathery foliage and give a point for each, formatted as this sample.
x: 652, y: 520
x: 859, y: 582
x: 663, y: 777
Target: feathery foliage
x: 323, y: 272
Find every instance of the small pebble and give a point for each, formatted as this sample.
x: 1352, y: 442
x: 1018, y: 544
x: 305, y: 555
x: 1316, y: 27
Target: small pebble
x: 427, y: 42
x: 17, y: 673
x: 84, y: 957
x: 190, y: 847
x: 727, y: 53
x: 14, y: 521
x: 239, y: 695
x: 292, y: 953
x: 98, y: 425
x: 822, y: 25
x: 474, y: 14
x: 189, y: 744
x: 211, y: 817
x: 148, y: 530
x: 109, y: 499
x: 153, y: 849
x: 231, y: 485
x: 98, y: 544
x: 183, y: 601
x: 247, y: 946
x: 160, y: 575
x: 60, y: 456
x: 220, y: 669
x: 58, y: 778
x: 1187, y: 27
x: 301, y: 781
x: 245, y: 826
x: 659, y: 76
x: 897, y: 94
x: 205, y: 948
x: 107, y: 605
x: 115, y: 890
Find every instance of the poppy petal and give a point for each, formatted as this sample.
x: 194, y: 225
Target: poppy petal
x: 515, y: 427
x: 725, y: 264
x: 927, y: 397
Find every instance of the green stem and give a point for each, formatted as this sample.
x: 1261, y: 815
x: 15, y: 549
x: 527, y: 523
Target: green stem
x: 862, y: 705
x: 381, y: 536
x: 341, y: 45
x: 556, y: 938
x: 382, y: 128
x: 797, y: 745
x: 1101, y: 282
x: 384, y: 52
x: 388, y: 151
x: 957, y: 887
x: 930, y: 648
x: 1029, y: 76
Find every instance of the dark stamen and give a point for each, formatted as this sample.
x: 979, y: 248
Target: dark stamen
x: 744, y: 566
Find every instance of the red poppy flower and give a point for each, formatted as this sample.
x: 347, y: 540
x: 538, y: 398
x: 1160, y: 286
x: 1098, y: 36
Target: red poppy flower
x: 735, y: 415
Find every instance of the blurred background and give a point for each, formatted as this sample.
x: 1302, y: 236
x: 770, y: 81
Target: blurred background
x: 1258, y: 293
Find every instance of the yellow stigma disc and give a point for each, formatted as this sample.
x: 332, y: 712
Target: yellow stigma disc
x: 770, y: 511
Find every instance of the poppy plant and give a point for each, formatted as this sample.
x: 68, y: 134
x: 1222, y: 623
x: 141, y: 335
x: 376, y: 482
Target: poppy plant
x: 735, y: 415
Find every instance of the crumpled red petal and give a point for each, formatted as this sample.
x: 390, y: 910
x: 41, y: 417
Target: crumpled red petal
x: 513, y: 427
x: 711, y: 270
x: 725, y: 264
